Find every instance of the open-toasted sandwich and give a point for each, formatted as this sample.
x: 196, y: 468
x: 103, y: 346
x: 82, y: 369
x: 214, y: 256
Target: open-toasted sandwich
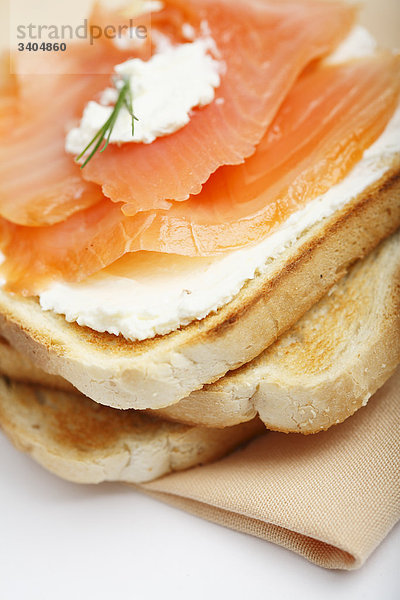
x: 174, y: 221
x: 318, y: 374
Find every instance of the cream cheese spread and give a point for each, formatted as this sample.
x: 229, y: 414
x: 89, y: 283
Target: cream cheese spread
x: 165, y: 90
x: 145, y: 294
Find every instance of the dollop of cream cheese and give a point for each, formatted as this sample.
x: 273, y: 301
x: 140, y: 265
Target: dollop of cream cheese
x: 149, y: 6
x: 128, y: 40
x: 146, y: 294
x: 359, y: 43
x: 165, y: 90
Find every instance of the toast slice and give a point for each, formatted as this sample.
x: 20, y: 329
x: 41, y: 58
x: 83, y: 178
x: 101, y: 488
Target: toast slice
x: 81, y: 441
x: 19, y: 368
x: 325, y: 368
x: 157, y: 373
x: 318, y: 374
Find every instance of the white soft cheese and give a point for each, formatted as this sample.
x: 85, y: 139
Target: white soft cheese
x: 145, y: 294
x: 165, y: 89
x: 358, y: 43
x: 129, y: 40
x: 188, y: 31
x: 149, y: 6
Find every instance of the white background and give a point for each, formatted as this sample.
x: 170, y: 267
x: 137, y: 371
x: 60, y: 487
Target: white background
x: 60, y: 541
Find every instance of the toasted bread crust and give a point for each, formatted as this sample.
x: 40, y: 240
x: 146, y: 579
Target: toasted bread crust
x: 319, y: 373
x: 159, y: 372
x: 79, y: 440
x: 325, y: 367
x: 19, y: 368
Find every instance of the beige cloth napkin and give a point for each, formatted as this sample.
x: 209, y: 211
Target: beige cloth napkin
x: 331, y: 497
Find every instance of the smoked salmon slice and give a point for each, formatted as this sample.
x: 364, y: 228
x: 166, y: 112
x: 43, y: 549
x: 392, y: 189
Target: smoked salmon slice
x: 264, y: 46
x: 331, y: 115
x: 39, y: 183
x: 8, y: 112
x: 8, y: 92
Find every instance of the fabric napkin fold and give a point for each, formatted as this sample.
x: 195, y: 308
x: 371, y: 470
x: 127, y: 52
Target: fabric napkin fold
x: 331, y: 497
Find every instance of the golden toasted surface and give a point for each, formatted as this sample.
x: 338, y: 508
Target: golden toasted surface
x: 325, y: 367
x: 85, y: 442
x: 348, y: 316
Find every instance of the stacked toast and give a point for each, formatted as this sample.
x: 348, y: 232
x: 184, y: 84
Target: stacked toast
x: 308, y: 335
x: 315, y: 375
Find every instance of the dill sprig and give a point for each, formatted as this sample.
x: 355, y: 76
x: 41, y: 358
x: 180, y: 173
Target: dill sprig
x: 125, y: 98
